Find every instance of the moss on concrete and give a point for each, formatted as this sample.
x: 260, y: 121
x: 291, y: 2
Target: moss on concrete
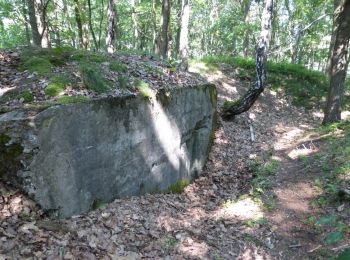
x: 9, y: 158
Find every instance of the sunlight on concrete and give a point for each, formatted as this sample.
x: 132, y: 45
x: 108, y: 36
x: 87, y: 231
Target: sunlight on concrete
x: 243, y: 209
x: 169, y: 136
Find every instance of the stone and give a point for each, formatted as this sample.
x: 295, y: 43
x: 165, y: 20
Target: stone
x: 90, y: 153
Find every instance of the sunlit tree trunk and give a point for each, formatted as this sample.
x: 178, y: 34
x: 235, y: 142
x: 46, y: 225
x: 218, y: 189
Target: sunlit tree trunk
x: 163, y: 36
x: 68, y: 23
x: 33, y: 23
x: 339, y: 60
x: 111, y: 30
x: 135, y: 32
x: 183, y: 37
x: 249, y: 98
x: 90, y: 25
x: 247, y: 4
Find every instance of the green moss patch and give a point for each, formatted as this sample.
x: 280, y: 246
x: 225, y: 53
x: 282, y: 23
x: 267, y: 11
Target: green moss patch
x: 178, y: 187
x: 92, y: 78
x: 143, y: 88
x: 71, y: 99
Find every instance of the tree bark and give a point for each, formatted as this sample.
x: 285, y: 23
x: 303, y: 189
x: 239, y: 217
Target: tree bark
x: 111, y: 30
x: 154, y: 26
x: 339, y: 60
x: 247, y: 4
x: 163, y: 39
x: 79, y: 25
x: 33, y: 23
x: 101, y: 21
x: 90, y: 25
x: 183, y: 37
x: 244, y: 103
x: 134, y: 24
x: 26, y: 22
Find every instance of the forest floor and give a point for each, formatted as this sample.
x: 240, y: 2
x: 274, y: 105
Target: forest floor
x: 262, y: 195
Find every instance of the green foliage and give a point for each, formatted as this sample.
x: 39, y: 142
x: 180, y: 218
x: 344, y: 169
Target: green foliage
x: 92, y: 78
x: 27, y: 96
x: 306, y: 87
x: 118, y: 67
x: 178, y: 187
x: 17, y: 94
x: 71, y: 99
x: 56, y: 86
x: 229, y: 103
x: 255, y: 222
x: 345, y: 255
x: 143, y: 88
x: 123, y: 81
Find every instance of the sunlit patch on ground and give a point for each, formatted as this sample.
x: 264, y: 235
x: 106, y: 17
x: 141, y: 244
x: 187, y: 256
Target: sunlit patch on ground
x: 244, y: 209
x: 3, y: 90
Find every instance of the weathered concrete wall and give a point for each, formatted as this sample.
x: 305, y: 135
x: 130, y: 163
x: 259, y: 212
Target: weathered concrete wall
x: 69, y: 156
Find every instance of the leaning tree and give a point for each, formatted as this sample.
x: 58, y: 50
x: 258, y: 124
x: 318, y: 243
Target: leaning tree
x: 245, y: 102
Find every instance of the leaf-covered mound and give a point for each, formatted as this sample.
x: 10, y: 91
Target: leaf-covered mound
x: 55, y: 75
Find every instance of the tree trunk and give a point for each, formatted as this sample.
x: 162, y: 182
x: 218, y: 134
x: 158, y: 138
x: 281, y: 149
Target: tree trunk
x: 339, y: 60
x: 68, y: 23
x: 26, y: 22
x: 33, y: 23
x: 90, y: 25
x: 111, y: 30
x: 134, y: 24
x: 247, y: 31
x: 100, y: 25
x: 235, y: 108
x: 79, y: 25
x: 154, y: 26
x: 183, y: 38
x: 163, y: 39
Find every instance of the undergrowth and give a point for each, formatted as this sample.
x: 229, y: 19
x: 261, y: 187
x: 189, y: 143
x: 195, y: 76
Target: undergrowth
x: 332, y: 162
x: 307, y: 88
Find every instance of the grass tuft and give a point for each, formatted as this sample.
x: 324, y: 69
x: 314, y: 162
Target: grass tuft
x: 178, y: 187
x: 92, y: 78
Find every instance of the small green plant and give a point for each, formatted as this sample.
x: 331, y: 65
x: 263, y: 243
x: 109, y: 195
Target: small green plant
x: 178, y: 187
x: 123, y: 81
x: 27, y: 96
x: 255, y: 222
x: 143, y: 88
x: 98, y: 204
x: 92, y: 78
x: 71, y: 99
x: 170, y: 241
x: 118, y: 67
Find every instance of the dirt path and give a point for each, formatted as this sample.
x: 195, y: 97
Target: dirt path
x: 215, y: 218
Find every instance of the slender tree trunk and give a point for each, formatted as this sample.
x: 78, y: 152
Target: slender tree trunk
x: 101, y: 21
x: 43, y: 24
x: 57, y: 30
x: 154, y: 27
x: 163, y: 39
x: 26, y: 22
x: 234, y: 108
x: 79, y: 24
x: 134, y: 24
x: 111, y: 29
x: 247, y: 4
x: 68, y: 23
x: 33, y: 23
x: 183, y: 39
x: 339, y: 60
x: 90, y: 25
